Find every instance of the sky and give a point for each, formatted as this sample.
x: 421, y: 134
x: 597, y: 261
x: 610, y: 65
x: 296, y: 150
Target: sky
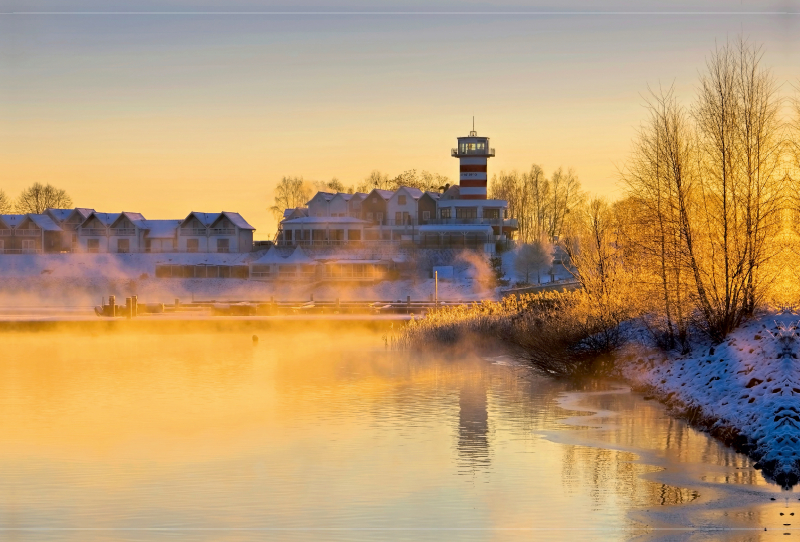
x: 166, y: 107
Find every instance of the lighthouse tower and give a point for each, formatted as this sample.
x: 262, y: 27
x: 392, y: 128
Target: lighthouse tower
x: 472, y: 152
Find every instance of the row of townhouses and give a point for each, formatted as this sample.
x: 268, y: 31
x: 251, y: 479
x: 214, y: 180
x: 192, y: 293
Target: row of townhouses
x: 461, y: 216
x: 86, y: 230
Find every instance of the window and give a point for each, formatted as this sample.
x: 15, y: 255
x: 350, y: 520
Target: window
x: 192, y: 245
x: 223, y: 245
x: 444, y: 213
x: 123, y: 246
x: 466, y: 212
x: 287, y: 236
x: 401, y: 200
x: 28, y: 245
x: 491, y: 213
x: 406, y: 218
x: 370, y: 216
x: 354, y: 235
x: 398, y: 218
x: 426, y: 215
x: 93, y: 245
x: 379, y: 217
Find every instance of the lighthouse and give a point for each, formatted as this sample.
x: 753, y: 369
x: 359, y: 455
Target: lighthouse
x: 473, y: 153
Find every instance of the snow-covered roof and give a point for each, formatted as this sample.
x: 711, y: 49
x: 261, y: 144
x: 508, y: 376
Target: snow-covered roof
x: 359, y: 195
x: 238, y: 221
x: 415, y: 193
x: 298, y: 257
x: 454, y: 192
x: 344, y: 195
x: 327, y: 196
x: 456, y: 228
x: 207, y: 219
x: 434, y: 195
x: 299, y: 211
x: 137, y: 219
x: 385, y: 194
x: 161, y: 229
x: 44, y: 222
x: 323, y: 220
x: 12, y: 221
x: 60, y: 215
x: 105, y: 218
x: 272, y: 256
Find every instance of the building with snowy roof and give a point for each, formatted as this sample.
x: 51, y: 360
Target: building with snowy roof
x: 462, y: 214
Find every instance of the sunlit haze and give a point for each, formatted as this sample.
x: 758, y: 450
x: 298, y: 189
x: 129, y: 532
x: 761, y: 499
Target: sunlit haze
x: 165, y: 113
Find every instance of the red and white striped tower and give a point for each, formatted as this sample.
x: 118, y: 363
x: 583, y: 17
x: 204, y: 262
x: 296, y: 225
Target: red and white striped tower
x: 472, y: 152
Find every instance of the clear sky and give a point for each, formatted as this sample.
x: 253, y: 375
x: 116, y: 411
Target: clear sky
x: 178, y: 107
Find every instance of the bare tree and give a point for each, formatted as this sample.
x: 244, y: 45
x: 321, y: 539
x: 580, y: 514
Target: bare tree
x: 5, y: 203
x: 375, y: 179
x: 291, y: 192
x: 38, y: 197
x: 534, y: 257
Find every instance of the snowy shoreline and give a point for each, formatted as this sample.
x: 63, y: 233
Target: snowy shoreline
x: 744, y: 391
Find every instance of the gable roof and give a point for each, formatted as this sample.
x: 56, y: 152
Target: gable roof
x: 272, y: 256
x: 61, y: 215
x: 415, y: 193
x: 298, y: 256
x: 454, y: 192
x: 298, y: 211
x: 237, y: 220
x: 344, y: 195
x: 385, y: 194
x: 137, y: 219
x: 433, y: 195
x: 44, y: 222
x: 12, y: 221
x: 359, y: 195
x: 207, y: 219
x: 106, y: 219
x: 327, y: 196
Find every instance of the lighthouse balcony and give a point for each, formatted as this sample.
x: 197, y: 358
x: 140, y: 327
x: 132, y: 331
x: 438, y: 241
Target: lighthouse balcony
x: 458, y: 153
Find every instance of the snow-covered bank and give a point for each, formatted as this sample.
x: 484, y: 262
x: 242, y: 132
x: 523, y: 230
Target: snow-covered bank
x: 745, y: 391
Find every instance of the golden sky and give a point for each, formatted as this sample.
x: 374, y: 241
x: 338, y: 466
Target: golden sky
x: 179, y: 109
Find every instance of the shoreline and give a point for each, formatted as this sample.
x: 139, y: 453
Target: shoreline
x: 744, y: 391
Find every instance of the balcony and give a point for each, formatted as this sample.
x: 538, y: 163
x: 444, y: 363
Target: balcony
x: 5, y: 233
x: 27, y: 233
x: 194, y: 231
x: 21, y: 251
x: 94, y: 231
x: 223, y: 231
x: 482, y: 152
x: 124, y: 232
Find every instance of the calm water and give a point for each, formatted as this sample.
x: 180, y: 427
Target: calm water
x: 315, y: 436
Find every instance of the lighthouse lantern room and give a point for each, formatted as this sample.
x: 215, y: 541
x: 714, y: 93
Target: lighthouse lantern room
x: 473, y: 153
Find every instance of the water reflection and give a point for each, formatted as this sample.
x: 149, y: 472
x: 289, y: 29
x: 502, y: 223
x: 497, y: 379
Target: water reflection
x: 473, y: 424
x: 312, y: 430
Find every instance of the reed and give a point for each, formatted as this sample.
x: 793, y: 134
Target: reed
x: 560, y: 333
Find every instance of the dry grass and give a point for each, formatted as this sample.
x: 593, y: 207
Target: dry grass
x: 561, y: 333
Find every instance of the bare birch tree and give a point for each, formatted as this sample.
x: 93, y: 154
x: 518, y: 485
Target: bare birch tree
x: 291, y: 192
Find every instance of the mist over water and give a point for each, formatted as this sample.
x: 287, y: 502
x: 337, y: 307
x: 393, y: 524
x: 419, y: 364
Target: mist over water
x: 314, y: 435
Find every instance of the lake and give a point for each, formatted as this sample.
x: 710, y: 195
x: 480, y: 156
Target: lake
x: 310, y: 434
